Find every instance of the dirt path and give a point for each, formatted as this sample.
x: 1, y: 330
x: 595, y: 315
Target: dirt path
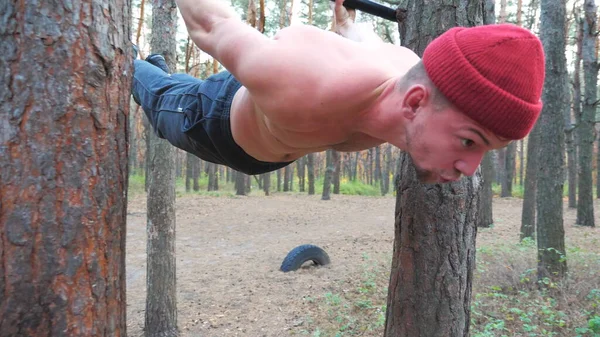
x: 229, y: 250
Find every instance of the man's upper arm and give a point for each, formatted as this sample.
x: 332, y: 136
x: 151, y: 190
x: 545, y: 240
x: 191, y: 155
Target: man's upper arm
x: 240, y: 48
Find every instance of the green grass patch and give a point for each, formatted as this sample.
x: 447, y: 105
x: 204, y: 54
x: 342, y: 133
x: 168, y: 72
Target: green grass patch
x: 506, y: 301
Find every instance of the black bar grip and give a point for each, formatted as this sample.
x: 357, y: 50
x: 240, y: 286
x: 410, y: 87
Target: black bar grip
x: 372, y: 8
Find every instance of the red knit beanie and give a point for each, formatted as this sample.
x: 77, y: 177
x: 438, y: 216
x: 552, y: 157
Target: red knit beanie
x: 494, y: 74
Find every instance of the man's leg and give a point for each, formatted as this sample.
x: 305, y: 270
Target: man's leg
x: 166, y: 100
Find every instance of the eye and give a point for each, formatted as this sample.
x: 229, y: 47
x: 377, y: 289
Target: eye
x: 467, y: 142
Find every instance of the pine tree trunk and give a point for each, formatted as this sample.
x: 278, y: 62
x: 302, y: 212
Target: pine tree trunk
x: 585, y: 197
x: 286, y: 178
x: 64, y: 106
x: 300, y: 166
x: 267, y: 183
x: 509, y: 169
x: 434, y: 246
x: 550, y: 230
x: 161, y: 298
x: 572, y: 163
x: 310, y: 168
x: 212, y: 177
x: 189, y: 171
x: 279, y: 173
x: 521, y: 161
x: 377, y: 173
x: 197, y: 170
x: 486, y: 216
x: 336, y: 171
x: 528, y: 213
x: 329, y: 168
x: 240, y: 183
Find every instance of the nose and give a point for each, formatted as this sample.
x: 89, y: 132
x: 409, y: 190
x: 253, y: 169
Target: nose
x: 468, y: 165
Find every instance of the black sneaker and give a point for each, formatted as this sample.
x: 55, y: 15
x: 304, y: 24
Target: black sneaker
x: 158, y: 61
x: 136, y: 51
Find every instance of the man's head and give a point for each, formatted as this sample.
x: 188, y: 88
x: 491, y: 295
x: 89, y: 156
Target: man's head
x: 475, y: 90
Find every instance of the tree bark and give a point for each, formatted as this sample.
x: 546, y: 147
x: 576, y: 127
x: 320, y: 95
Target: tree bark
x: 267, y: 183
x: 161, y: 298
x: 509, y: 168
x: 571, y: 136
x: 329, y: 168
x: 528, y: 213
x: 434, y: 247
x: 585, y: 204
x: 286, y: 178
x: 213, y: 177
x: 189, y: 171
x: 336, y: 157
x: 310, y: 168
x: 64, y: 106
x: 486, y: 216
x: 552, y: 263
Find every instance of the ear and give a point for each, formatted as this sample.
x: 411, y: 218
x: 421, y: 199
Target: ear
x: 416, y: 96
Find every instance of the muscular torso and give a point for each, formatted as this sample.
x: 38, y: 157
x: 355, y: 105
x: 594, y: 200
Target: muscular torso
x: 326, y: 99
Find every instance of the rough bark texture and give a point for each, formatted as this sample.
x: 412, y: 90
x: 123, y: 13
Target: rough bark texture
x: 161, y: 300
x: 434, y: 247
x: 550, y: 230
x: 329, y: 168
x: 337, y: 162
x: 267, y: 183
x: 572, y: 134
x: 65, y: 77
x: 240, y: 183
x: 213, y: 177
x: 530, y: 188
x: 585, y: 204
x: 434, y: 257
x: 486, y: 216
x: 310, y: 168
x: 510, y: 155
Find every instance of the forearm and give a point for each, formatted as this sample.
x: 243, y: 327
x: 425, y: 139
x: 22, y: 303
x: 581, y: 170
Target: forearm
x: 201, y: 17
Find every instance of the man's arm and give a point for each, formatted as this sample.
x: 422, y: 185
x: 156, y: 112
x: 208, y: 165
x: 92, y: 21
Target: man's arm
x: 345, y: 26
x: 217, y: 30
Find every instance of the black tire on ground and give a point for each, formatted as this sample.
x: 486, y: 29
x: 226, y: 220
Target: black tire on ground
x: 297, y: 256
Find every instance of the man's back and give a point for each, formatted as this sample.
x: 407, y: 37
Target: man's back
x: 313, y: 89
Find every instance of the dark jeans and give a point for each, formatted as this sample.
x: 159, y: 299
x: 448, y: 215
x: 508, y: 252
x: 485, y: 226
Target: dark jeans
x: 193, y: 115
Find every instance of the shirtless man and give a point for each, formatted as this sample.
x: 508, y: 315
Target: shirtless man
x: 308, y: 90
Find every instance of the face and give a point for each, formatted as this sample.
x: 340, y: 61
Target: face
x: 446, y: 144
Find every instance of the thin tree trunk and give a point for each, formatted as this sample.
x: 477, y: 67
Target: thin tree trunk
x: 486, y: 216
x: 310, y: 168
x: 528, y: 214
x: 509, y: 169
x: 286, y: 178
x: 63, y: 168
x: 552, y: 263
x: 377, y: 173
x: 189, y: 172
x: 279, y: 173
x: 585, y: 197
x: 329, y: 168
x: 161, y: 285
x: 521, y: 160
x: 197, y: 170
x: 301, y: 167
x: 572, y: 136
x: 240, y: 183
x: 336, y: 172
x: 267, y: 183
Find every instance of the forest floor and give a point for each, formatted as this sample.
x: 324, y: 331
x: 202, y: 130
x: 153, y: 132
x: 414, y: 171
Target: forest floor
x: 229, y: 250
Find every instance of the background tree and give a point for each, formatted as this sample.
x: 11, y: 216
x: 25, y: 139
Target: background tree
x: 550, y: 231
x: 161, y: 298
x: 329, y: 168
x: 432, y: 266
x: 63, y: 167
x: 585, y: 203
